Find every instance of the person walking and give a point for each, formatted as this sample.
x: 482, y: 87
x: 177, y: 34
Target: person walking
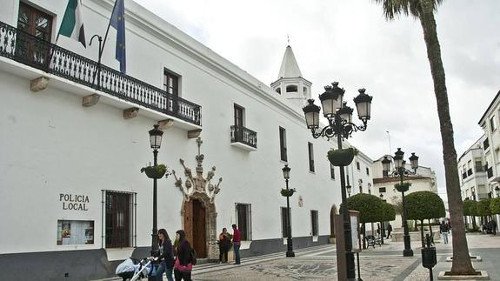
x: 493, y: 227
x: 389, y: 230
x: 236, y: 244
x: 224, y: 245
x: 443, y: 230
x: 165, y: 258
x: 182, y: 265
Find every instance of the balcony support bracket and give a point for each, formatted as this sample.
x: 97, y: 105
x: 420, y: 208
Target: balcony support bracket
x: 193, y: 134
x: 130, y: 112
x: 165, y: 124
x: 39, y: 84
x: 90, y: 100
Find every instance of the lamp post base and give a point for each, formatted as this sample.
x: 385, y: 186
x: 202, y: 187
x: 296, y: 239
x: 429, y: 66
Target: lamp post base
x: 290, y: 254
x: 407, y: 253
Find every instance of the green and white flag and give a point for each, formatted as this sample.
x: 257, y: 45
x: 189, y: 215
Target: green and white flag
x: 72, y: 23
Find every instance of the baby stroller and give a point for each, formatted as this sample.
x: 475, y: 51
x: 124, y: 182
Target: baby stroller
x: 134, y: 269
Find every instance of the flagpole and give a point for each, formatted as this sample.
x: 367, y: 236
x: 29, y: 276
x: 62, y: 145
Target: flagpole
x: 102, y: 43
x: 107, y: 30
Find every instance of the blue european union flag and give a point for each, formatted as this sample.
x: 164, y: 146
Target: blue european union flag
x: 118, y: 22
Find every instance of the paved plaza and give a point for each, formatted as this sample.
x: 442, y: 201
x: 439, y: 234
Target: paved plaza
x: 384, y: 262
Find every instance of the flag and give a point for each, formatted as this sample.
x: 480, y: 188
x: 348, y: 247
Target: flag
x: 118, y: 22
x: 72, y: 23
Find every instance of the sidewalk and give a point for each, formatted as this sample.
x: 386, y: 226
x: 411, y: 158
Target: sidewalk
x: 380, y: 264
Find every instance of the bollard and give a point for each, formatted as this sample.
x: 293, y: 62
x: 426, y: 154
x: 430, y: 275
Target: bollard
x: 429, y: 256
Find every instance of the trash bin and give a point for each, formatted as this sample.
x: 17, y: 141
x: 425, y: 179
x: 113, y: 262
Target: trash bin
x: 429, y: 257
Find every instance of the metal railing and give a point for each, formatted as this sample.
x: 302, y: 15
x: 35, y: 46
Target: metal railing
x: 243, y: 135
x: 40, y: 54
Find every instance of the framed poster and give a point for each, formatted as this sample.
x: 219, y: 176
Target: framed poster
x: 356, y: 243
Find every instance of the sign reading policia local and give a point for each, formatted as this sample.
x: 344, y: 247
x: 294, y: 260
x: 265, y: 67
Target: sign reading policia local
x: 74, y: 202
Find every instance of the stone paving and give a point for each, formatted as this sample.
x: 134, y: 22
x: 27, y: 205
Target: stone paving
x: 382, y: 263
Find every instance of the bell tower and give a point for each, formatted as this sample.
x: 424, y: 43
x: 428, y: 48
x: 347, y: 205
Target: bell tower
x: 290, y: 82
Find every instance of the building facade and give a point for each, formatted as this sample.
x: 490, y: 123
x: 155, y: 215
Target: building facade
x: 80, y: 128
x: 424, y: 179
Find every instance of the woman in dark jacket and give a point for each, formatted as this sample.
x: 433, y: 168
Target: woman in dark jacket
x: 166, y: 257
x: 183, y: 265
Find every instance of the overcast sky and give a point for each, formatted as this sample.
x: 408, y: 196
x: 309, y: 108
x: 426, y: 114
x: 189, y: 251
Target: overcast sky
x: 351, y: 42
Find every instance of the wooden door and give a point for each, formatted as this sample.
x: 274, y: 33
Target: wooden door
x: 195, y: 226
x: 199, y: 229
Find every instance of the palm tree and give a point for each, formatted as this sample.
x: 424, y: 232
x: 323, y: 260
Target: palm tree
x: 424, y: 11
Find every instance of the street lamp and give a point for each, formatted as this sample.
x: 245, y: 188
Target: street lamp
x: 155, y: 136
x: 339, y: 125
x: 289, y: 242
x: 401, y: 171
x: 349, y: 189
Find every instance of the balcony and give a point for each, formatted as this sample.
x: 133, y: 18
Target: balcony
x: 45, y: 56
x: 243, y: 138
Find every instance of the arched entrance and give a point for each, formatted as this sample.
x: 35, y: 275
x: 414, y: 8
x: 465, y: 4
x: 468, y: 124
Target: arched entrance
x: 199, y: 219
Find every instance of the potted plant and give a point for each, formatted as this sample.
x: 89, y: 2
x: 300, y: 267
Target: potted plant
x: 402, y: 187
x: 155, y: 172
x: 287, y: 192
x: 341, y: 157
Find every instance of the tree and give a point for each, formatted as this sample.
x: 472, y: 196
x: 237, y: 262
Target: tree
x: 470, y: 209
x: 422, y: 205
x: 424, y: 11
x: 495, y: 205
x: 370, y: 209
x: 483, y: 207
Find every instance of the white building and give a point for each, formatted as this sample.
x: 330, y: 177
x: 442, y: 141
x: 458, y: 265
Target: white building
x: 479, y: 165
x: 423, y: 179
x: 72, y: 198
x: 489, y: 122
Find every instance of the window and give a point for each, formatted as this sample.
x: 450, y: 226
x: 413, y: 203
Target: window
x: 493, y: 124
x: 314, y: 223
x: 119, y: 219
x: 171, y: 83
x: 278, y: 90
x: 284, y: 222
x: 367, y: 171
x: 358, y: 166
x: 381, y: 189
x: 39, y: 24
x: 311, y: 157
x: 244, y: 221
x: 238, y: 115
x: 291, y: 88
x: 304, y: 90
x: 486, y: 143
x: 34, y: 22
x: 479, y: 165
x: 332, y: 171
x: 283, y: 145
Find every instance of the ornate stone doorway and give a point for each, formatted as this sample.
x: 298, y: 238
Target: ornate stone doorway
x: 198, y: 208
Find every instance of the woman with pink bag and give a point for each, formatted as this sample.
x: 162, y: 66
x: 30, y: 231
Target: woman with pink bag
x: 183, y: 262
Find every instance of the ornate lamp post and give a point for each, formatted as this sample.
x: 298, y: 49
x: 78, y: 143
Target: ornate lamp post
x: 289, y: 242
x: 400, y: 171
x: 338, y: 115
x: 155, y: 136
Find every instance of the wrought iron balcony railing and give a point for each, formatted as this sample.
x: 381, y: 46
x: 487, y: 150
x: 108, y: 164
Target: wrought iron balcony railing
x: 40, y: 54
x: 243, y: 135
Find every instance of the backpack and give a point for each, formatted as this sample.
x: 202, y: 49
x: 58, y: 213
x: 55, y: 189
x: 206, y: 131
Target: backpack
x: 192, y: 256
